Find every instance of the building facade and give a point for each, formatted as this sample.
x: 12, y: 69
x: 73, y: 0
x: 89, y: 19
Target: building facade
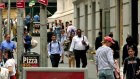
x: 122, y: 17
x: 28, y: 9
x: 65, y: 12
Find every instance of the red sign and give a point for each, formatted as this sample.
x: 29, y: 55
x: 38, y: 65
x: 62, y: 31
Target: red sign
x: 54, y: 75
x: 2, y: 5
x: 45, y: 2
x: 20, y: 4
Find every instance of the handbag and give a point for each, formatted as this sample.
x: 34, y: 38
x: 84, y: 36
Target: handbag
x: 87, y: 46
x: 34, y: 43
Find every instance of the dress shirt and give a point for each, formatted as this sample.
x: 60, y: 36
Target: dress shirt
x: 7, y: 45
x: 55, y: 49
x: 77, y: 43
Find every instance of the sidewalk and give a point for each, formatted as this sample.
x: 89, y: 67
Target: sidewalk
x: 91, y: 65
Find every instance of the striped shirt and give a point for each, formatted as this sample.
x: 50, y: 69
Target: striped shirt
x: 104, y: 58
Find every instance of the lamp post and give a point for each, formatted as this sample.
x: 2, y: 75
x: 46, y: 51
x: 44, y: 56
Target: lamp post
x: 8, y: 25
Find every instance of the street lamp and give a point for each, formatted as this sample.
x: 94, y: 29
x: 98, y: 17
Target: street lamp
x: 8, y: 25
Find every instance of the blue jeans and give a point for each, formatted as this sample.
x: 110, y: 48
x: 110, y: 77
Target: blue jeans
x: 106, y: 74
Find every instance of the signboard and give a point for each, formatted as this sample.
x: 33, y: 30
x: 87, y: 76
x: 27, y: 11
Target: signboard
x: 44, y: 2
x: 20, y: 4
x: 2, y: 5
x: 54, y: 73
x: 30, y: 60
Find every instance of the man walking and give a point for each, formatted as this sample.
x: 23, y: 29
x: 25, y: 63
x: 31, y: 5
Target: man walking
x: 54, y: 51
x: 49, y: 35
x: 78, y: 46
x: 98, y: 41
x: 104, y: 59
x: 7, y: 44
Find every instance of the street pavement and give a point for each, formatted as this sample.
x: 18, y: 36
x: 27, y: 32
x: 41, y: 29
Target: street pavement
x: 91, y: 64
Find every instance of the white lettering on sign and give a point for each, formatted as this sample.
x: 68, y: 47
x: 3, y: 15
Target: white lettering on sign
x: 31, y: 60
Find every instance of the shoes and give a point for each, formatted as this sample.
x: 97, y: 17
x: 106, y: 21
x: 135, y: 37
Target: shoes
x: 62, y: 62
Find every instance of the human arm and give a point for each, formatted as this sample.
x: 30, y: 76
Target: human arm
x: 124, y: 68
x: 49, y: 51
x: 72, y: 44
x: 110, y: 58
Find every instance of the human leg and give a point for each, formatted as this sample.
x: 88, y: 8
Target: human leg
x: 77, y: 58
x: 84, y: 59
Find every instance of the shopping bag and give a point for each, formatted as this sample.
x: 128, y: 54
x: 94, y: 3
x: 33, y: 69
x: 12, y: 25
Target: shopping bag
x: 33, y: 43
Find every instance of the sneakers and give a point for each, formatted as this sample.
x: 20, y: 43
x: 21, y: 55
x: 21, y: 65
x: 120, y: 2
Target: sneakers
x: 62, y: 62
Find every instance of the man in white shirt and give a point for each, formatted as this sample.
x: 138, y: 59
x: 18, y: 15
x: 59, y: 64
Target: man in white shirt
x: 78, y: 46
x: 71, y: 29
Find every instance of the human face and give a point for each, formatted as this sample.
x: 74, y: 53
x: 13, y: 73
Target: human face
x: 8, y: 38
x: 79, y: 33
x: 62, y: 32
x: 131, y: 52
x: 109, y: 44
x: 53, y: 38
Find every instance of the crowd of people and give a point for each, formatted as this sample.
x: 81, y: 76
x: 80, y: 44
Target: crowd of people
x: 70, y: 42
x: 108, y: 58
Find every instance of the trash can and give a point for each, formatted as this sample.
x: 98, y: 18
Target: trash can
x: 30, y: 59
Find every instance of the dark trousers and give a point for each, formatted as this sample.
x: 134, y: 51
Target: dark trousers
x: 27, y: 47
x: 80, y: 55
x: 55, y: 59
x: 28, y: 27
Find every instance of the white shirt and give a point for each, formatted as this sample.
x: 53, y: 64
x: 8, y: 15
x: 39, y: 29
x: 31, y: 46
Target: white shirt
x: 69, y: 29
x: 4, y: 73
x: 77, y: 43
x: 12, y: 63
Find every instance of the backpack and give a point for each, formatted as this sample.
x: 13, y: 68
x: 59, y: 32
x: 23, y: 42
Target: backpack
x: 51, y: 45
x: 72, y: 30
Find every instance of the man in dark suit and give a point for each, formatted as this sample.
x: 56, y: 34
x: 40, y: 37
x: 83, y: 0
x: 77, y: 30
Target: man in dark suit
x: 98, y: 41
x: 49, y: 35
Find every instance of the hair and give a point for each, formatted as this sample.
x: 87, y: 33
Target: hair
x: 79, y: 30
x: 131, y: 47
x: 53, y: 35
x: 100, y: 33
x: 6, y: 35
x: 129, y: 39
x: 9, y: 52
x: 110, y: 34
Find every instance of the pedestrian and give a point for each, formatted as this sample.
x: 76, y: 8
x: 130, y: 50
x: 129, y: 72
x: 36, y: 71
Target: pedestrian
x: 36, y: 18
x: 63, y: 38
x: 104, y: 59
x: 70, y: 29
x: 7, y: 44
x: 54, y: 51
x: 115, y: 47
x: 57, y: 31
x: 98, y: 41
x: 28, y: 21
x: 10, y: 64
x: 27, y: 41
x: 130, y: 42
x: 49, y: 35
x: 70, y: 55
x: 131, y: 65
x: 4, y: 72
x: 78, y: 46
